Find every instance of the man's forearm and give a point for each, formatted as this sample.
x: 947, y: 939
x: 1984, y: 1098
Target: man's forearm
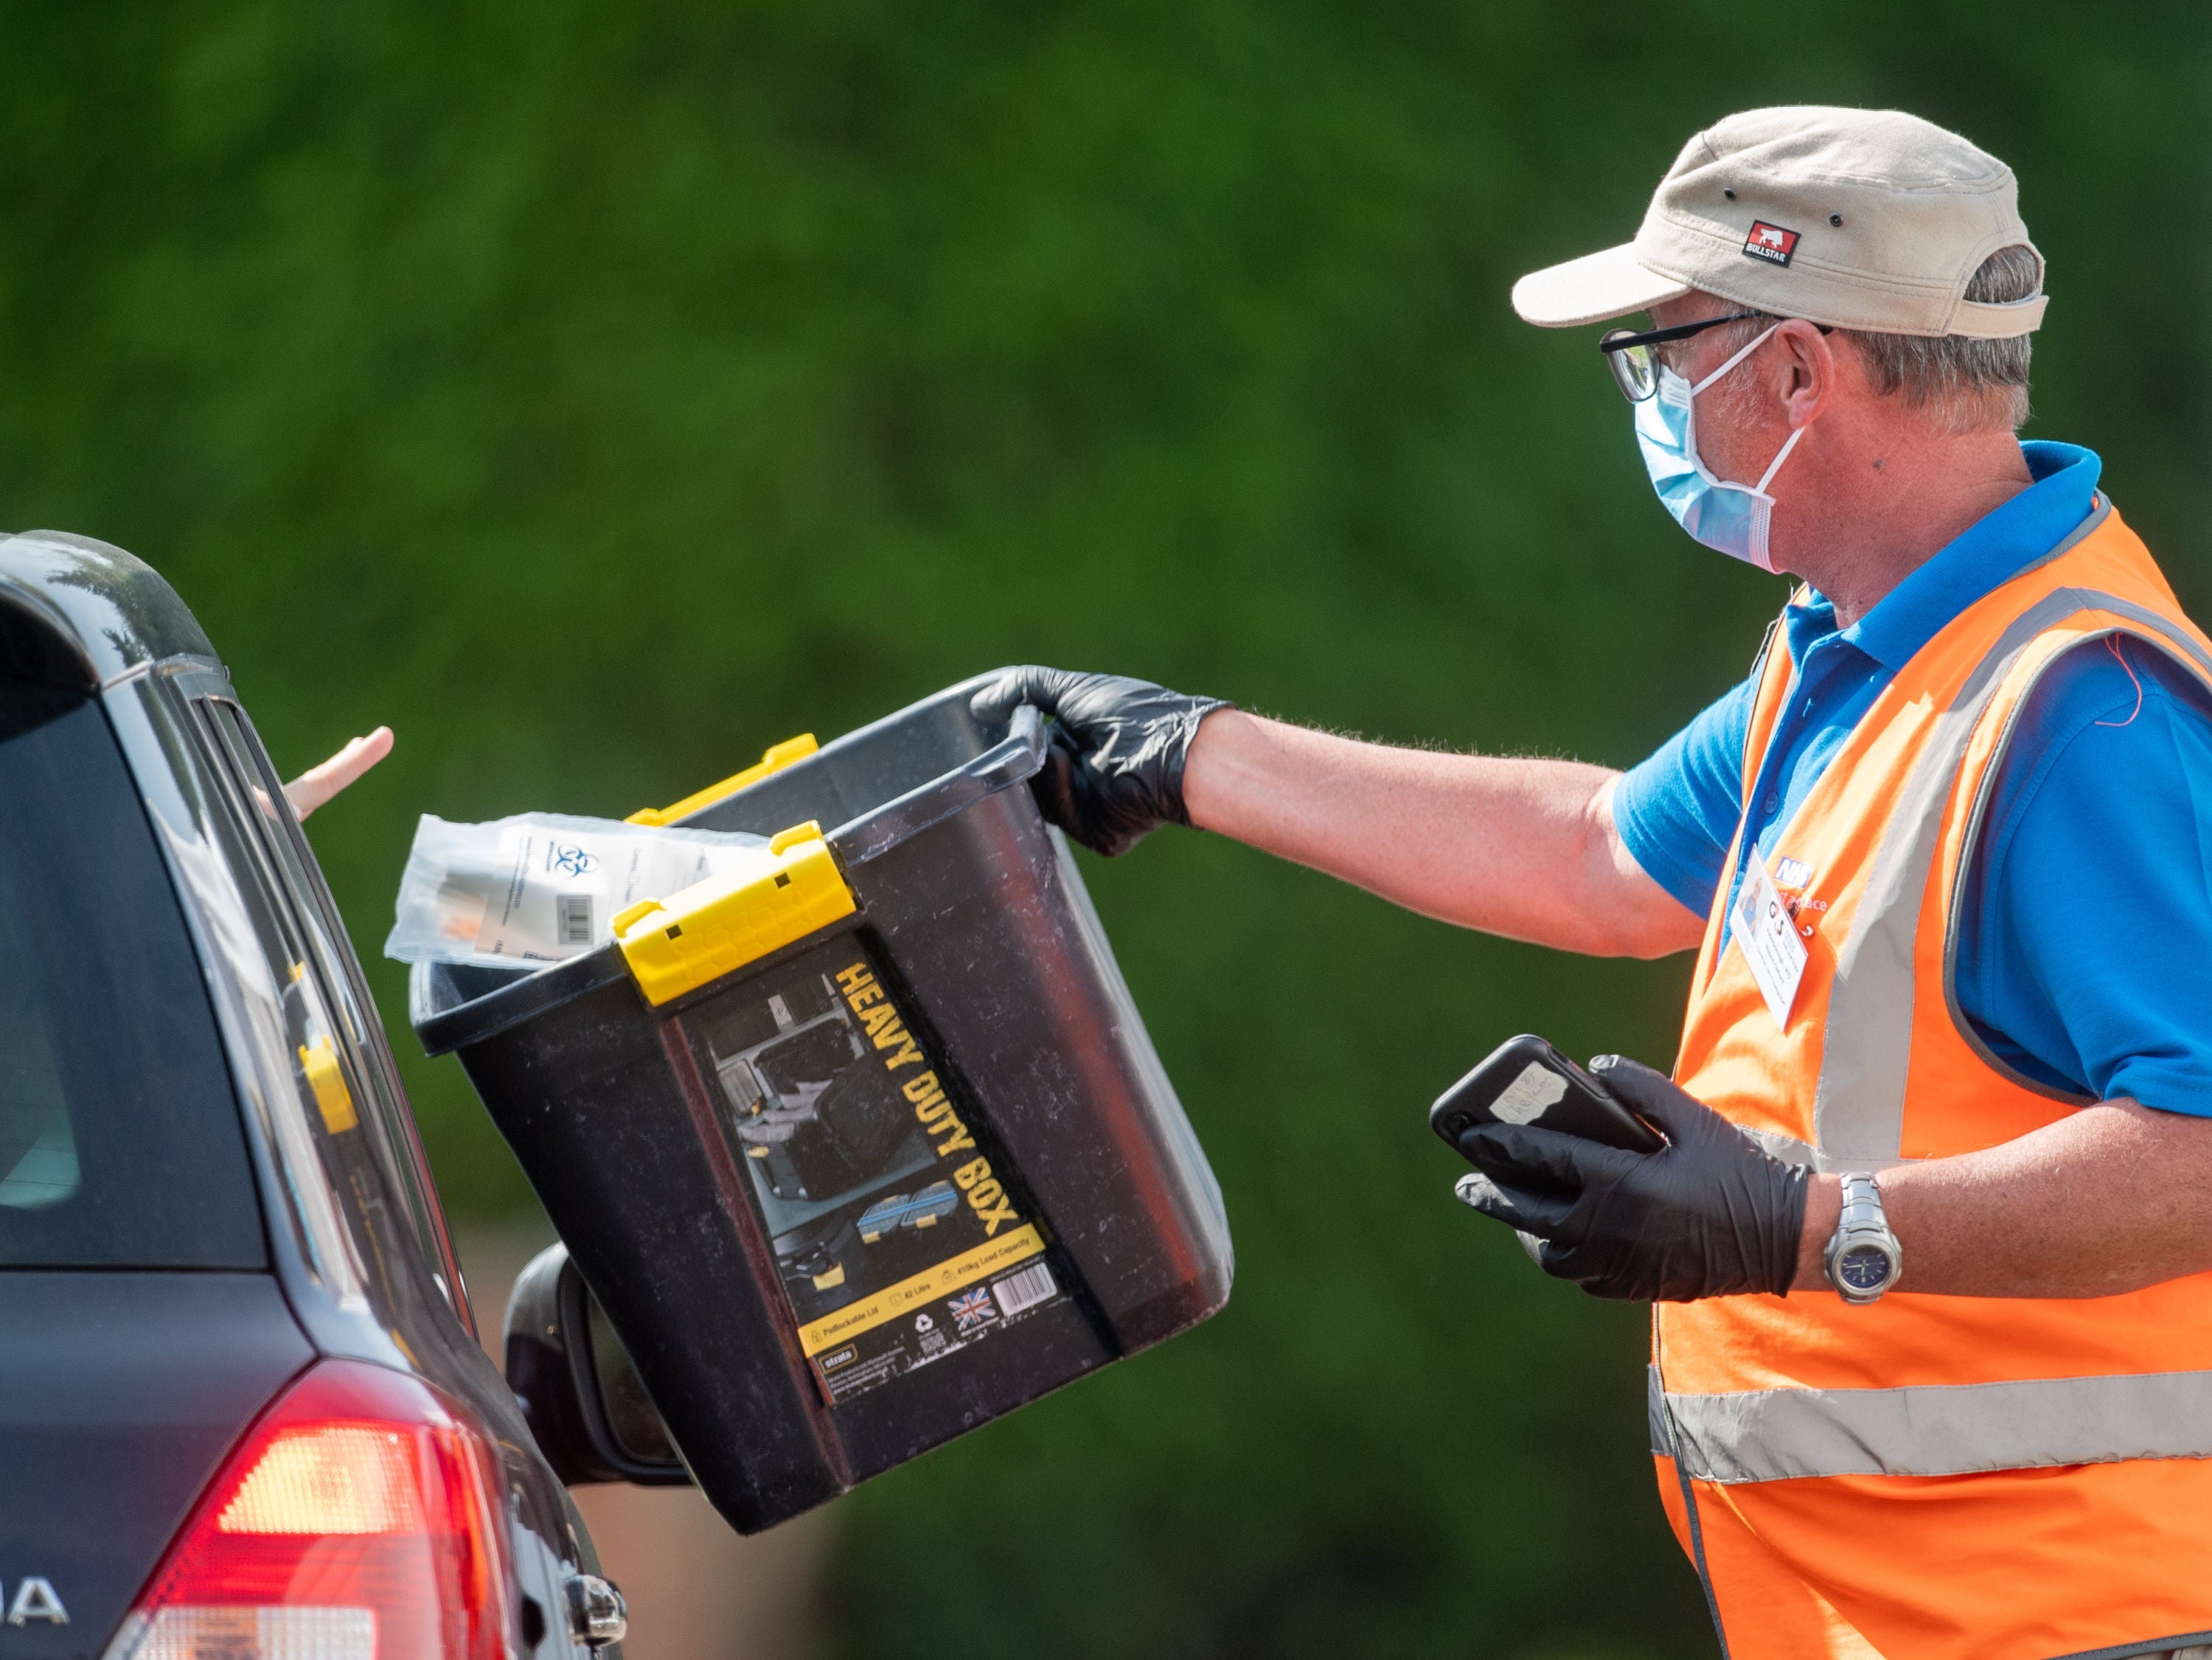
x: 1523, y: 848
x: 2115, y: 1197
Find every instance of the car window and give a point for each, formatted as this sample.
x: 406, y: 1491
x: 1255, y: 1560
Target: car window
x: 120, y: 1143
x: 342, y: 1028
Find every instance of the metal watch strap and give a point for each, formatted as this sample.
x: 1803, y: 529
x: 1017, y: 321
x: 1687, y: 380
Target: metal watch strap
x: 1863, y: 1221
x: 1861, y: 1202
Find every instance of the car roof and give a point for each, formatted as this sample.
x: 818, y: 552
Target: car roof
x: 96, y: 613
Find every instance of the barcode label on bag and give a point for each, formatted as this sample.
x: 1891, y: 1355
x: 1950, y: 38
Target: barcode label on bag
x: 1023, y: 1290
x: 572, y: 915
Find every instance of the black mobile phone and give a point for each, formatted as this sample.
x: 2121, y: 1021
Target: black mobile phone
x: 1526, y: 1081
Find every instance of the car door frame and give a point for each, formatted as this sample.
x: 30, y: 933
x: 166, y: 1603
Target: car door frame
x: 404, y: 1308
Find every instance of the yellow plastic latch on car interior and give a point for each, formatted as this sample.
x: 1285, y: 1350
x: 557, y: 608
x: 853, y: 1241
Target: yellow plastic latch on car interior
x: 319, y: 1063
x: 778, y: 756
x: 677, y: 944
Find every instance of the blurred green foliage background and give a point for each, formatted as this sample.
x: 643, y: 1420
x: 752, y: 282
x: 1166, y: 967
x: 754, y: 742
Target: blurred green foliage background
x: 600, y: 393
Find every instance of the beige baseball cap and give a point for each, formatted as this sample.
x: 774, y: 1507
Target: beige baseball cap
x: 1860, y: 219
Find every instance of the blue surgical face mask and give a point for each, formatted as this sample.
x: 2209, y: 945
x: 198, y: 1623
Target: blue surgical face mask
x: 1729, y: 517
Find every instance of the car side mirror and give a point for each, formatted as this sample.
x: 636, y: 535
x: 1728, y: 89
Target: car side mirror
x: 581, y: 1396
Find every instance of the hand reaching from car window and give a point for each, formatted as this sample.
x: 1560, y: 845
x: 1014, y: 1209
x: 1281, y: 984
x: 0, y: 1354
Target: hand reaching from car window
x: 319, y: 784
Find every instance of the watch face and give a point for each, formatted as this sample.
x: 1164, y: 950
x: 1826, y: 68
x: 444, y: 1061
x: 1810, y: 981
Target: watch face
x: 1863, y: 1267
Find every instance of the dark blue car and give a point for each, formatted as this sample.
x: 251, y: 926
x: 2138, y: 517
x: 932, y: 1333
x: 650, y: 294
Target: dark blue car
x: 244, y: 1412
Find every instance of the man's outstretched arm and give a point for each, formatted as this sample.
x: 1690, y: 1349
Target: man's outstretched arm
x: 1525, y: 848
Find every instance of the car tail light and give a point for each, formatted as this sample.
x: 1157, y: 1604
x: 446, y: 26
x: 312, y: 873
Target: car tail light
x: 358, y: 1520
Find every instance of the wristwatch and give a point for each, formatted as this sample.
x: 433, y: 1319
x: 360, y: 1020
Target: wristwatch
x: 1864, y: 1259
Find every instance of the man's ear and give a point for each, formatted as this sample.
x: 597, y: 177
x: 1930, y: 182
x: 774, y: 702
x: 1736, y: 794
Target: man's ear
x: 1808, y: 368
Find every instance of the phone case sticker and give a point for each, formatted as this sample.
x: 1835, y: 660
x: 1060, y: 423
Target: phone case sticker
x: 1524, y: 1100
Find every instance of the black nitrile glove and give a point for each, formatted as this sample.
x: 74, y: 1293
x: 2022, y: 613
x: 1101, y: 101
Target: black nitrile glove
x: 1712, y: 1213
x: 1114, y: 774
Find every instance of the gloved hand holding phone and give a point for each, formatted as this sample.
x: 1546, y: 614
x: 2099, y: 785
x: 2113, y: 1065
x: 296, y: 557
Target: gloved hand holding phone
x: 1711, y: 1213
x: 1114, y: 772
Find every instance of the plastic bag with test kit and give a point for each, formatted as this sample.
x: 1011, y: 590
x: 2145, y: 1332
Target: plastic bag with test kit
x: 542, y: 887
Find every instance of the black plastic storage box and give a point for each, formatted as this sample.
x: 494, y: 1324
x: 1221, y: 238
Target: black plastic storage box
x: 863, y: 1152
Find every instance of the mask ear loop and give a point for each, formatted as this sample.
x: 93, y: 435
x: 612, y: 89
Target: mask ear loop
x: 1732, y: 362
x: 1761, y: 557
x: 1774, y: 465
x: 1788, y: 444
x: 1762, y: 513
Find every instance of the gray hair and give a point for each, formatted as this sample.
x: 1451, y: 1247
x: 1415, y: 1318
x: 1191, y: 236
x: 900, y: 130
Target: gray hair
x: 1964, y: 385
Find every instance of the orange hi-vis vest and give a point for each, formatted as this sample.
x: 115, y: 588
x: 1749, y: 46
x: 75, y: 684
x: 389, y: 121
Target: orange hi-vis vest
x: 1999, y: 1478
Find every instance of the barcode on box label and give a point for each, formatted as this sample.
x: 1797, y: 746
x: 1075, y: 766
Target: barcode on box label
x: 573, y: 919
x: 1026, y: 1290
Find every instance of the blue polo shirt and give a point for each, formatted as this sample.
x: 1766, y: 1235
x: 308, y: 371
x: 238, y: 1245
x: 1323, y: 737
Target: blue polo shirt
x: 2085, y: 955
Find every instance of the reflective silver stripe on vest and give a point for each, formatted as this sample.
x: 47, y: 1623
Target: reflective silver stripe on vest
x: 1858, y: 1110
x: 1790, y: 1150
x: 1963, y: 1429
x: 2188, y: 654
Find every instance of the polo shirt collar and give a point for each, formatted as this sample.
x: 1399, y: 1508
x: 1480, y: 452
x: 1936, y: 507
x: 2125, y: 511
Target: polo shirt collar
x: 1985, y: 556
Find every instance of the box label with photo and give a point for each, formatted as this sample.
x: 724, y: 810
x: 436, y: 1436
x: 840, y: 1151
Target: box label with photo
x: 901, y: 1231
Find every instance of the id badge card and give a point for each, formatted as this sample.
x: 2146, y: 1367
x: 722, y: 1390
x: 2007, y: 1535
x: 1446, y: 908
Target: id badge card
x: 1768, y: 935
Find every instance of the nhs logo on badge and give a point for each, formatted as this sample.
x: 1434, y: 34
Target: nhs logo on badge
x: 1792, y: 873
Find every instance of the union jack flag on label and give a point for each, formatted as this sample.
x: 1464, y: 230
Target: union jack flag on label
x: 971, y: 1309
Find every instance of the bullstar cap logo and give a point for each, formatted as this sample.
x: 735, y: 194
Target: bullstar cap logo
x: 1771, y: 243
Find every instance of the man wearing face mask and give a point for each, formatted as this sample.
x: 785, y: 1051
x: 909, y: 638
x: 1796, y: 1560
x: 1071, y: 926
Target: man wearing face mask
x: 1929, y: 1244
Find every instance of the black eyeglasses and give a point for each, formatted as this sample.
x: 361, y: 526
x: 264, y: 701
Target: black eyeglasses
x: 1635, y: 366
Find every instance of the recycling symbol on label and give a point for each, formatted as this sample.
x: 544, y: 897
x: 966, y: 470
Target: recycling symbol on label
x: 923, y: 1323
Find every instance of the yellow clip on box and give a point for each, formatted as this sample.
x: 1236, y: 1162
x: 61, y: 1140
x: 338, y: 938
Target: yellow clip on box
x: 677, y: 944
x: 774, y: 759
